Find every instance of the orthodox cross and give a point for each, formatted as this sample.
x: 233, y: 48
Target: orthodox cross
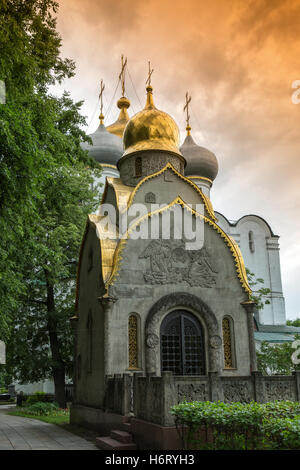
x: 148, y: 81
x: 102, y: 86
x: 122, y: 74
x: 186, y: 108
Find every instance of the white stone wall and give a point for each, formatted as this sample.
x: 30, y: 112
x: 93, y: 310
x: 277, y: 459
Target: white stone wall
x: 264, y: 261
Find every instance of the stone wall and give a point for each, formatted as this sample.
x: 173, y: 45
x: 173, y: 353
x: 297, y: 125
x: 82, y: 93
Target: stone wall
x: 150, y: 397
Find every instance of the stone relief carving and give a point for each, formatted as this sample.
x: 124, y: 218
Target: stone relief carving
x: 215, y: 341
x: 275, y: 390
x: 172, y: 264
x: 237, y: 391
x: 191, y: 392
x: 152, y: 340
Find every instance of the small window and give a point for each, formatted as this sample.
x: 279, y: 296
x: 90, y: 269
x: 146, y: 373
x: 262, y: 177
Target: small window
x: 150, y: 197
x: 228, y: 347
x: 138, y: 166
x: 251, y: 242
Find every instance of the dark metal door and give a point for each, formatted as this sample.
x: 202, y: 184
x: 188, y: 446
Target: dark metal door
x: 182, y: 344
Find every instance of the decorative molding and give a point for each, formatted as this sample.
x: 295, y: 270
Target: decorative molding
x: 239, y: 262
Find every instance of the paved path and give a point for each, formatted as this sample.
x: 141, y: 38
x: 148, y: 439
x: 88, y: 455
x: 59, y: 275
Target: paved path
x: 17, y: 433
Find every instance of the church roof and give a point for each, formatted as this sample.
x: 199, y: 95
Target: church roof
x: 151, y: 129
x: 107, y: 148
x: 273, y: 337
x: 117, y: 128
x: 199, y: 160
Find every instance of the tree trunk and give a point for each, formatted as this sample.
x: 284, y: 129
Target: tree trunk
x: 58, y: 367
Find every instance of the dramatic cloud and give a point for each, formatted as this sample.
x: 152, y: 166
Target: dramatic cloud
x: 238, y: 60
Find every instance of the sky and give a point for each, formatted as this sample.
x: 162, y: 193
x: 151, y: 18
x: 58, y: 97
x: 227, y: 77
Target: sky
x: 238, y: 60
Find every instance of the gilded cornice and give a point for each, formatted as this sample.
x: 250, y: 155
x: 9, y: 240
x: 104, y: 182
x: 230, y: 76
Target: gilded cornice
x: 200, y: 178
x: 205, y: 199
x: 239, y: 262
x: 108, y: 243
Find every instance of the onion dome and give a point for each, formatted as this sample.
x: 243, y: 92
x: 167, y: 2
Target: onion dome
x: 200, y: 161
x: 117, y: 128
x: 151, y: 129
x: 107, y: 148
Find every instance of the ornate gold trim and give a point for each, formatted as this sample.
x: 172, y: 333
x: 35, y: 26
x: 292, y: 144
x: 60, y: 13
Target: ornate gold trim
x: 200, y: 178
x: 108, y: 165
x: 169, y: 165
x: 239, y: 262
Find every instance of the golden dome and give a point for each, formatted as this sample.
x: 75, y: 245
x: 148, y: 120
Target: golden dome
x: 118, y: 127
x: 151, y: 129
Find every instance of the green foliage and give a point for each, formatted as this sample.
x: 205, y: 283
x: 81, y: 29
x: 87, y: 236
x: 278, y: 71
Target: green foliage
x: 258, y: 294
x: 3, y: 390
x: 295, y: 322
x: 207, y: 425
x: 45, y: 194
x: 40, y: 408
x: 47, y: 412
x: 276, y: 358
x: 38, y: 134
x: 36, y: 397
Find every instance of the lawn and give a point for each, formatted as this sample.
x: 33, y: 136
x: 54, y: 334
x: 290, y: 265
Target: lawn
x: 57, y: 417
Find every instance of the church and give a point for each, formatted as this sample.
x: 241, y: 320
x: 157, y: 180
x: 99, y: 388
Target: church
x: 159, y: 319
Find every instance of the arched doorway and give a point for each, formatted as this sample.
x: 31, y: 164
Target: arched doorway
x: 182, y: 344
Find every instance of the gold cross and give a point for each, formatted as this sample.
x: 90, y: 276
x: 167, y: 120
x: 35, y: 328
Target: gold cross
x: 148, y: 81
x: 186, y: 108
x: 122, y: 74
x: 102, y: 86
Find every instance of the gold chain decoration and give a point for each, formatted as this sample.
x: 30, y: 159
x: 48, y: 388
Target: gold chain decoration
x: 227, y: 343
x: 132, y: 342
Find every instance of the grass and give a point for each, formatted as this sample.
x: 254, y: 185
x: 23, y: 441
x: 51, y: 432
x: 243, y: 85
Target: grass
x: 58, y: 416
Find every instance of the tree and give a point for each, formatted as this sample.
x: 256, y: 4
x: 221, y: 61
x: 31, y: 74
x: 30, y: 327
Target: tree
x: 295, y: 322
x: 258, y: 295
x: 45, y: 193
x: 32, y: 141
x: 276, y: 359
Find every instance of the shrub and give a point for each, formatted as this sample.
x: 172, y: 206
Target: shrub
x: 36, y: 397
x: 40, y: 409
x: 274, y: 425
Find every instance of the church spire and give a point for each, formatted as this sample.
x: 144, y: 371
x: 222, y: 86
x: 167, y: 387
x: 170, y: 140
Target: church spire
x: 102, y: 86
x: 149, y: 102
x: 123, y: 104
x: 188, y: 99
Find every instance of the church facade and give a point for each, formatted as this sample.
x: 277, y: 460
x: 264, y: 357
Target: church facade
x: 158, y: 319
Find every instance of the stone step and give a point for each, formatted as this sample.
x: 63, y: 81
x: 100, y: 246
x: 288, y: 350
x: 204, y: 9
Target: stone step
x: 107, y: 443
x: 121, y: 436
x: 126, y: 427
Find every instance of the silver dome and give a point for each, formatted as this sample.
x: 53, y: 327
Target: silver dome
x: 107, y: 148
x: 199, y: 160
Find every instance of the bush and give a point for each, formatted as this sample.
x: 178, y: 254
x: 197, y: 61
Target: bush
x: 36, y: 397
x: 40, y: 409
x: 204, y: 425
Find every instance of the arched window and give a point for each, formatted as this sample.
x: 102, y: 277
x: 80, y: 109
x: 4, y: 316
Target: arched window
x: 228, y: 343
x: 182, y: 344
x: 133, y: 342
x: 90, y: 341
x: 251, y: 242
x: 138, y: 166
